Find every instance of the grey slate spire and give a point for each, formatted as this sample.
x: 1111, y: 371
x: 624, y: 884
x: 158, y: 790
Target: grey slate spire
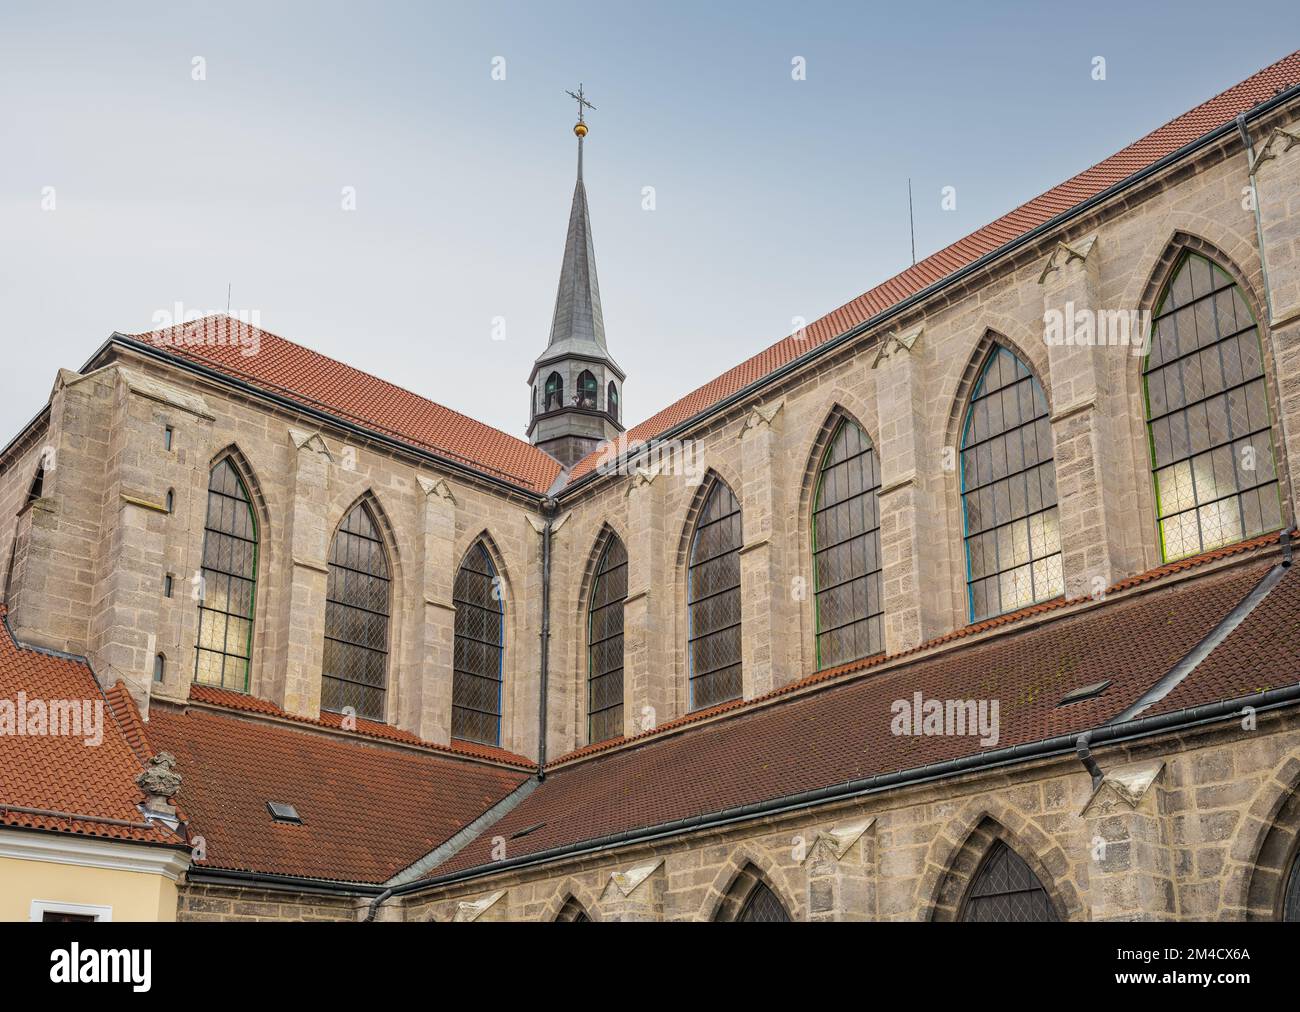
x: 578, y: 325
x: 576, y: 384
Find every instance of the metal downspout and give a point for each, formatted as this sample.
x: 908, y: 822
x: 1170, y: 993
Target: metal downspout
x: 548, y: 511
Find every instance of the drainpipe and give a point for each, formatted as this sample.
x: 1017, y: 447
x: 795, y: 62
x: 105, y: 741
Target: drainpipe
x: 375, y: 904
x: 1083, y: 749
x: 549, y: 506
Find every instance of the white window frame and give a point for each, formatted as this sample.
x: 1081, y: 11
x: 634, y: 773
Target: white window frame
x: 41, y: 907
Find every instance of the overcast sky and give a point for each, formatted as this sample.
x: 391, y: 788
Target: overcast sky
x: 773, y: 197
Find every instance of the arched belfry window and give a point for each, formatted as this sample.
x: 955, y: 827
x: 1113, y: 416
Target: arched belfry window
x: 229, y: 582
x: 356, y: 618
x: 1208, y: 415
x: 476, y: 666
x: 554, y: 397
x: 587, y: 387
x: 846, y: 549
x: 1008, y: 483
x: 605, y: 644
x: 714, y: 595
x: 611, y: 400
x: 1006, y: 889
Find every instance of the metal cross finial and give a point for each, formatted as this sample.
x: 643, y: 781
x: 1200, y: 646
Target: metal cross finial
x: 581, y: 100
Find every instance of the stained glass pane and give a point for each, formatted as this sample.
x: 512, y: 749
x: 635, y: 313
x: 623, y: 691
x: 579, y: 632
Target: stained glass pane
x: 763, y: 906
x: 356, y: 619
x: 714, y: 577
x: 227, y: 590
x: 478, y: 651
x: 846, y: 550
x: 1008, y: 480
x: 1208, y: 416
x: 605, y: 644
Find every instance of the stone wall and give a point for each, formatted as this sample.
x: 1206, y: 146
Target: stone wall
x: 227, y: 903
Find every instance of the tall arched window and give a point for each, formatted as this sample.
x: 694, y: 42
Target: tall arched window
x: 714, y: 595
x: 1006, y: 889
x: 846, y: 549
x: 750, y: 898
x: 229, y: 582
x: 554, y: 398
x: 605, y: 644
x: 611, y: 400
x: 1208, y: 415
x: 587, y: 387
x: 763, y: 906
x: 1008, y: 482
x: 356, y: 619
x: 480, y: 628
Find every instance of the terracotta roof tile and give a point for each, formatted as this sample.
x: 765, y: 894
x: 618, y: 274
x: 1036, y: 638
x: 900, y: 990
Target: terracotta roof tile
x: 242, y: 701
x: 842, y: 732
x: 368, y: 811
x: 93, y: 783
x: 1207, y: 116
x: 316, y: 381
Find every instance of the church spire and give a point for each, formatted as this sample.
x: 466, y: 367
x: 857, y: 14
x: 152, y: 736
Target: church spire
x: 577, y: 386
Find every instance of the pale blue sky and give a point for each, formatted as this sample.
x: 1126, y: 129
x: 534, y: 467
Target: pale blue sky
x: 775, y: 198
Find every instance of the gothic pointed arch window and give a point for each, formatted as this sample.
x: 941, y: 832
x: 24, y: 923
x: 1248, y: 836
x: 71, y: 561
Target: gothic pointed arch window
x: 355, y: 669
x: 1291, y: 898
x: 1008, y: 482
x: 750, y: 898
x: 846, y: 549
x: 554, y: 392
x: 1006, y: 889
x: 1208, y: 418
x: 572, y: 912
x: 611, y: 400
x: 587, y: 387
x: 228, y: 582
x: 713, y: 579
x: 605, y: 644
x: 478, y: 651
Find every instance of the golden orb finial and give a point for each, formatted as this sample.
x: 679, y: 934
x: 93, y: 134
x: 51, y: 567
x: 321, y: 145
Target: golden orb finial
x: 580, y: 128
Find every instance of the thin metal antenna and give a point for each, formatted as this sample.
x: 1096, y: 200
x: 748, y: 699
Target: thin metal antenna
x: 911, y: 222
x: 228, y: 289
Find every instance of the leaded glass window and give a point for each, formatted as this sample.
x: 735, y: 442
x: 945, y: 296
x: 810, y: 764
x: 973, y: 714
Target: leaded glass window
x: 229, y: 580
x: 1208, y: 415
x: 763, y: 906
x: 480, y: 628
x: 714, y: 594
x: 1006, y: 889
x: 846, y: 549
x: 1008, y: 482
x: 1291, y: 898
x: 605, y: 644
x: 356, y: 619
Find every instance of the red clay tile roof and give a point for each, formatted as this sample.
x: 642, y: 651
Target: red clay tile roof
x: 93, y: 783
x: 1261, y: 653
x: 368, y: 811
x: 1221, y: 109
x: 243, y: 702
x: 842, y: 732
x: 313, y: 380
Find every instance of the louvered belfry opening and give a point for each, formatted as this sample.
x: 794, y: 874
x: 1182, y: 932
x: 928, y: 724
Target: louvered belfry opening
x: 605, y: 644
x: 846, y: 550
x: 1005, y: 889
x: 714, y: 585
x: 1208, y: 415
x: 480, y: 628
x: 229, y: 581
x: 356, y: 619
x: 1008, y: 482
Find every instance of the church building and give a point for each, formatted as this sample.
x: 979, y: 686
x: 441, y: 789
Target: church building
x: 971, y: 600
